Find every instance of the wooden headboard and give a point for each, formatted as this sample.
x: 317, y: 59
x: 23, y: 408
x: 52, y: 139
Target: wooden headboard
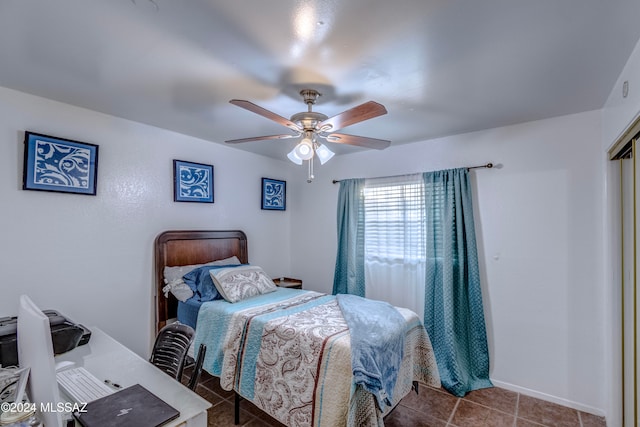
x: 173, y: 248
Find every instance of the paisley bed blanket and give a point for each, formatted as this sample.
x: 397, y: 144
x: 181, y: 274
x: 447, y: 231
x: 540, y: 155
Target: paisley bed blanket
x: 289, y: 353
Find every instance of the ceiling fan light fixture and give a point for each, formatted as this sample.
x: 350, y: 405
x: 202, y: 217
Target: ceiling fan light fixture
x: 324, y: 154
x: 304, y: 150
x: 294, y: 157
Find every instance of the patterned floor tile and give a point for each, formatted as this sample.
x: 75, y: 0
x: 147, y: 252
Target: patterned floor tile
x: 404, y: 417
x: 590, y: 420
x: 469, y: 414
x: 432, y: 407
x: 547, y: 413
x: 496, y: 398
x: 430, y: 401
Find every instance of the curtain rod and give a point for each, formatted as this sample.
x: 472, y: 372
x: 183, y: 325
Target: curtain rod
x: 487, y: 166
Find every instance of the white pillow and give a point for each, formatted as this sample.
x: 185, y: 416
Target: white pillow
x: 179, y: 289
x: 239, y: 283
x: 232, y: 260
x: 177, y: 286
x: 171, y: 274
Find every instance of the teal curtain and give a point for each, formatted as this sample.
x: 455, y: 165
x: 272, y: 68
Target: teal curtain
x: 453, y: 309
x: 349, y: 273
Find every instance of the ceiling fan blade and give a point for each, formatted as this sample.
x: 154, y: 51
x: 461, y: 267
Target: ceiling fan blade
x: 260, y: 138
x: 361, y: 141
x: 362, y: 112
x: 265, y: 113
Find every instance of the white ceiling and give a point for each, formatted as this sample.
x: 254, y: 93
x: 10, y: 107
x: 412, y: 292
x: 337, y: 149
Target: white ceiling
x: 440, y: 67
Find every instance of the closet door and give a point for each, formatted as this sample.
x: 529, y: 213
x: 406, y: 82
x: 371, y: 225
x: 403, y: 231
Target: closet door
x: 630, y: 207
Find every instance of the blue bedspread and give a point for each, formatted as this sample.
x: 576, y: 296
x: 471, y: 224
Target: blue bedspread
x: 377, y: 344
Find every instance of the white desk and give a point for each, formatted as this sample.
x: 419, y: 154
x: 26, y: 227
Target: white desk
x: 107, y: 359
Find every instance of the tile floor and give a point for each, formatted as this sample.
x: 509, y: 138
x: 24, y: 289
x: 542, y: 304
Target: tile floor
x: 494, y: 407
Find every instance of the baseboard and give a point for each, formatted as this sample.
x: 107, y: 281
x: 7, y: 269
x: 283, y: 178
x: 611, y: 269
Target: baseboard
x: 549, y: 398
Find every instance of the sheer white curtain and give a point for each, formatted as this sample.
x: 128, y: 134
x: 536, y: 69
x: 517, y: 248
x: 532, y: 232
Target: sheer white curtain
x: 395, y: 241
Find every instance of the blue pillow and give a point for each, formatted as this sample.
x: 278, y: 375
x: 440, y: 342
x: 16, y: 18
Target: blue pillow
x: 200, y: 282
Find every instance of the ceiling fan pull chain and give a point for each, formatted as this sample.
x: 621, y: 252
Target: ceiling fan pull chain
x: 310, y: 178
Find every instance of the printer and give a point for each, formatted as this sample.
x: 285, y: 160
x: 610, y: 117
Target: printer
x: 65, y: 336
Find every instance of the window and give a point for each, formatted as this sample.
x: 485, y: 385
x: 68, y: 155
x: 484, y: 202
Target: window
x: 395, y: 240
x: 395, y: 220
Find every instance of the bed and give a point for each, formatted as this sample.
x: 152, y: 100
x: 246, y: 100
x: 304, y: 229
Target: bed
x: 287, y: 351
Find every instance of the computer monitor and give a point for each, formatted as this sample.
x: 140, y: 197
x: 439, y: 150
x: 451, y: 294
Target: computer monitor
x: 35, y: 350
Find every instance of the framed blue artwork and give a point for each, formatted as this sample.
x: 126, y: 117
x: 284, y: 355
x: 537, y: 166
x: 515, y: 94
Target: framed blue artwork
x: 274, y: 194
x: 192, y: 182
x: 60, y: 165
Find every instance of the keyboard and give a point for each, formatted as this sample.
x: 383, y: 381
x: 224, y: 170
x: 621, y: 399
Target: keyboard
x: 81, y: 385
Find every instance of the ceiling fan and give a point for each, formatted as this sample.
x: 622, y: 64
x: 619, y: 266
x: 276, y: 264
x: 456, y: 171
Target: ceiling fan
x: 312, y: 125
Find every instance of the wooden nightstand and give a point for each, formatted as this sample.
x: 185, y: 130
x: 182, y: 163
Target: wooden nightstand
x: 287, y: 282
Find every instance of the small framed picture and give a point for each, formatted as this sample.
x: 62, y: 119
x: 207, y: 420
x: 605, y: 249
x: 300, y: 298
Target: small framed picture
x: 274, y: 194
x: 192, y: 182
x: 60, y: 165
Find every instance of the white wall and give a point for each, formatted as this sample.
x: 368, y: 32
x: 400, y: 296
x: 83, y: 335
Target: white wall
x: 618, y: 114
x: 92, y: 257
x: 539, y: 234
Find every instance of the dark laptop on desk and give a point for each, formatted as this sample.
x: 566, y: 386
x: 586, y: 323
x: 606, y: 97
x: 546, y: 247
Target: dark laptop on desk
x: 133, y: 406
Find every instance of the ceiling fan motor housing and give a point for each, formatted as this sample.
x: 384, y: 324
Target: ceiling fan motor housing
x: 308, y: 120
